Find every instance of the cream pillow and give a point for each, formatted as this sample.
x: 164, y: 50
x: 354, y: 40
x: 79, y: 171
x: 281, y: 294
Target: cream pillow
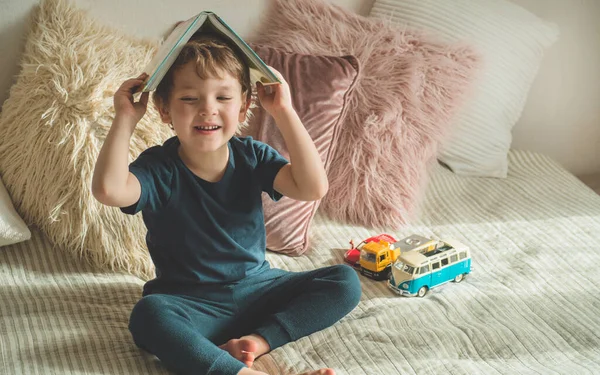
x: 12, y: 227
x: 512, y: 42
x: 52, y: 127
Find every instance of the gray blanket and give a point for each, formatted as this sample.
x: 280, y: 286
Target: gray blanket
x: 528, y: 307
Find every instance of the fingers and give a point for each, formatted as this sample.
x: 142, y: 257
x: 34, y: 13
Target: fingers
x: 266, y: 90
x: 144, y: 98
x: 134, y: 84
x: 131, y: 84
x: 260, y: 88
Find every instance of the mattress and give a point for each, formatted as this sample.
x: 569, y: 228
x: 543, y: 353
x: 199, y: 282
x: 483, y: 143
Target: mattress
x: 530, y: 304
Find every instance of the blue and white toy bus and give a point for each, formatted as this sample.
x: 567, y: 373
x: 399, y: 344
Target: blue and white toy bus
x: 415, y: 272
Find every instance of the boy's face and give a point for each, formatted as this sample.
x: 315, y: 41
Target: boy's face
x: 205, y: 113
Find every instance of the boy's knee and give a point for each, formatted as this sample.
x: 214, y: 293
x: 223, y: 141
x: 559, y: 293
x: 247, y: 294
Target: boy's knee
x: 349, y: 287
x: 147, y: 312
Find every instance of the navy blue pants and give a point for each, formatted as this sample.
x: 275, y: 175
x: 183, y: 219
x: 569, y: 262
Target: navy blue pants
x: 184, y: 331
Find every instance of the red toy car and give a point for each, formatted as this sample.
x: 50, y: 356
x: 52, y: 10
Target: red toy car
x: 352, y: 256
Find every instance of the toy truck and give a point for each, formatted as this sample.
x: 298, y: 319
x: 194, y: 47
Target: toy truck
x: 352, y: 256
x: 375, y: 256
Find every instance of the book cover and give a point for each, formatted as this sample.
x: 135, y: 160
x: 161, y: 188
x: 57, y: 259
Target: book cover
x: 204, y: 22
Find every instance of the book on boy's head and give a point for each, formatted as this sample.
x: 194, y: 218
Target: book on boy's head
x: 204, y: 22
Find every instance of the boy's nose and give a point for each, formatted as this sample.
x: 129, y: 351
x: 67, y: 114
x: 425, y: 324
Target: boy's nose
x: 206, y: 110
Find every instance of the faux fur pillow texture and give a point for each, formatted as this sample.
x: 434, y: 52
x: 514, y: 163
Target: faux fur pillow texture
x: 512, y: 42
x: 321, y: 87
x: 52, y: 127
x: 409, y: 87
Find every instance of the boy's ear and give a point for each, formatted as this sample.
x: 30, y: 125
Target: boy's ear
x: 245, y: 107
x: 165, y: 115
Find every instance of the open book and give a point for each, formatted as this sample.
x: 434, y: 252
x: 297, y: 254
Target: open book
x: 204, y: 22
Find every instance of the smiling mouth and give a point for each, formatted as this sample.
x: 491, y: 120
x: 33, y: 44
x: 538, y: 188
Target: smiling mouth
x: 207, y: 128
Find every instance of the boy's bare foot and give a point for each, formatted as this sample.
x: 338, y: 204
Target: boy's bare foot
x: 242, y: 349
x: 247, y: 348
x: 323, y: 371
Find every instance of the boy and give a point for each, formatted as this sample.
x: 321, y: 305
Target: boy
x: 215, y: 304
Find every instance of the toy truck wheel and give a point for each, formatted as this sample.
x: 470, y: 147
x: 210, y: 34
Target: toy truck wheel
x: 459, y: 278
x: 422, y: 291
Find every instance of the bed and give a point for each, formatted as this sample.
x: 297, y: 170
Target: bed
x: 528, y: 307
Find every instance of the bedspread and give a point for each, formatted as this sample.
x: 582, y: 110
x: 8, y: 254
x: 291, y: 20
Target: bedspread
x: 528, y: 306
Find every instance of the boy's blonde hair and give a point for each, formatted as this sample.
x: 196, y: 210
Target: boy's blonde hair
x: 212, y: 56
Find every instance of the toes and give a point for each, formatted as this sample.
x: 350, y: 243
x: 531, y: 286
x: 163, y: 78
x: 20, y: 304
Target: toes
x: 324, y: 371
x: 248, y: 346
x: 244, y: 351
x: 248, y: 359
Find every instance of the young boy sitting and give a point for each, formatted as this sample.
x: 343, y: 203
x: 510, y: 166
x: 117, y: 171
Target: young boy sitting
x: 216, y: 304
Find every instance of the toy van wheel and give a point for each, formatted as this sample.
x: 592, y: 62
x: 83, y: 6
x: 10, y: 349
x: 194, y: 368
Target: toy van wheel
x: 423, y: 291
x: 459, y: 278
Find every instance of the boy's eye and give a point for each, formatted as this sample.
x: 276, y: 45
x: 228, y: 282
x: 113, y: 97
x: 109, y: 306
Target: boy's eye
x: 188, y: 99
x: 224, y: 98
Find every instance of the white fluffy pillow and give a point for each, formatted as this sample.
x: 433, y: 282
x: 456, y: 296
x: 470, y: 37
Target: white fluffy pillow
x: 12, y: 227
x: 512, y: 42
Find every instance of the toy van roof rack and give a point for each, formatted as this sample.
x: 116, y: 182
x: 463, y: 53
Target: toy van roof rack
x: 438, y: 250
x: 411, y: 242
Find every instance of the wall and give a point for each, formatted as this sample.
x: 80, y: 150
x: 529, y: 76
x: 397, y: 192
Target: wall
x: 562, y: 115
x: 150, y: 18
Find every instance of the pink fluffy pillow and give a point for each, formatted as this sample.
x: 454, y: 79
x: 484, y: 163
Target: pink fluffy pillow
x: 320, y: 101
x: 408, y: 88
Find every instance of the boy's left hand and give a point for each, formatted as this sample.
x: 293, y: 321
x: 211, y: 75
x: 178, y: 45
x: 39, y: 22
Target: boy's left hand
x: 278, y: 99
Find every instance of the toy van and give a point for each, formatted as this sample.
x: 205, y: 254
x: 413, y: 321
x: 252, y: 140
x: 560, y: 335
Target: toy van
x: 414, y: 273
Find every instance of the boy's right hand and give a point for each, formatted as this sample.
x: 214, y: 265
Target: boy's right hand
x: 125, y: 107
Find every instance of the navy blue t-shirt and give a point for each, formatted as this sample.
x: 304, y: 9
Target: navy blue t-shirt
x: 201, y: 232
